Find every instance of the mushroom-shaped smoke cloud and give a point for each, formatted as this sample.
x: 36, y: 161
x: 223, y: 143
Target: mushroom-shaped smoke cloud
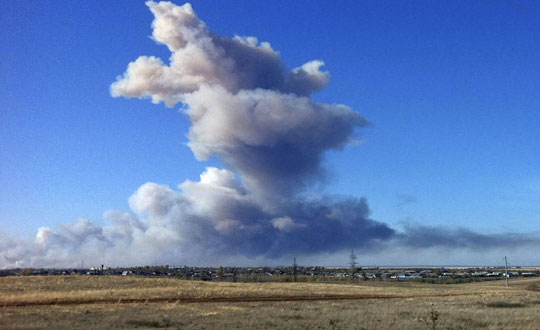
x: 256, y: 116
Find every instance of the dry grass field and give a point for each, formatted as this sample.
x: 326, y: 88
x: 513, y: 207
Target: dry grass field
x: 114, y: 302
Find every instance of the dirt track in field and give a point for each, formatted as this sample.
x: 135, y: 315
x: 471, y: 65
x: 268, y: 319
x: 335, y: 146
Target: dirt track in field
x: 63, y: 302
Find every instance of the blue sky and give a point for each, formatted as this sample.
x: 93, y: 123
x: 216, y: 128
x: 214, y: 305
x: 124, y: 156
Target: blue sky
x: 450, y: 88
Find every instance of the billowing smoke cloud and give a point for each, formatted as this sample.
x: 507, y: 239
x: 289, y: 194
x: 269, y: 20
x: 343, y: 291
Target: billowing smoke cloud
x: 244, y: 105
x: 215, y: 216
x: 200, y: 57
x: 248, y: 109
x: 253, y: 113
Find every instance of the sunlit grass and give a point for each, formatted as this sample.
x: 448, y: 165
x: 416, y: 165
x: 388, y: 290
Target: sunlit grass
x: 114, y: 302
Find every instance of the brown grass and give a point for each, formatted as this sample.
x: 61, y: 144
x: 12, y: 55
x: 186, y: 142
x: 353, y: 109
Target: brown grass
x: 93, y: 302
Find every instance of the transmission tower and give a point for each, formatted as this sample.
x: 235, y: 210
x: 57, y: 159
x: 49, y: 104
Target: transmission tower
x: 352, y: 264
x: 506, y: 275
x: 295, y: 269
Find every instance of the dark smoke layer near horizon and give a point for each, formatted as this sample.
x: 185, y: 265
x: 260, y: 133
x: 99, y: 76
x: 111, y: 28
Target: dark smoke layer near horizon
x: 257, y: 117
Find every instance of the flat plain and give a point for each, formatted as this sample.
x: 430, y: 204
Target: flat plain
x: 124, y: 302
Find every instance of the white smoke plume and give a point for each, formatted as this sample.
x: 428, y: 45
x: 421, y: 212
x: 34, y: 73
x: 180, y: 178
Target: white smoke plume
x: 248, y: 109
x: 253, y: 113
x: 200, y: 57
x: 244, y: 105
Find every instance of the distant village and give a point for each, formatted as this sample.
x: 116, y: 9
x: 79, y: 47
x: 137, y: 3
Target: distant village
x: 294, y: 273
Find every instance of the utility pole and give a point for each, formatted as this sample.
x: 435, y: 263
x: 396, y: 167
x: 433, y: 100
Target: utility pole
x: 295, y: 269
x: 506, y: 270
x: 352, y: 263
